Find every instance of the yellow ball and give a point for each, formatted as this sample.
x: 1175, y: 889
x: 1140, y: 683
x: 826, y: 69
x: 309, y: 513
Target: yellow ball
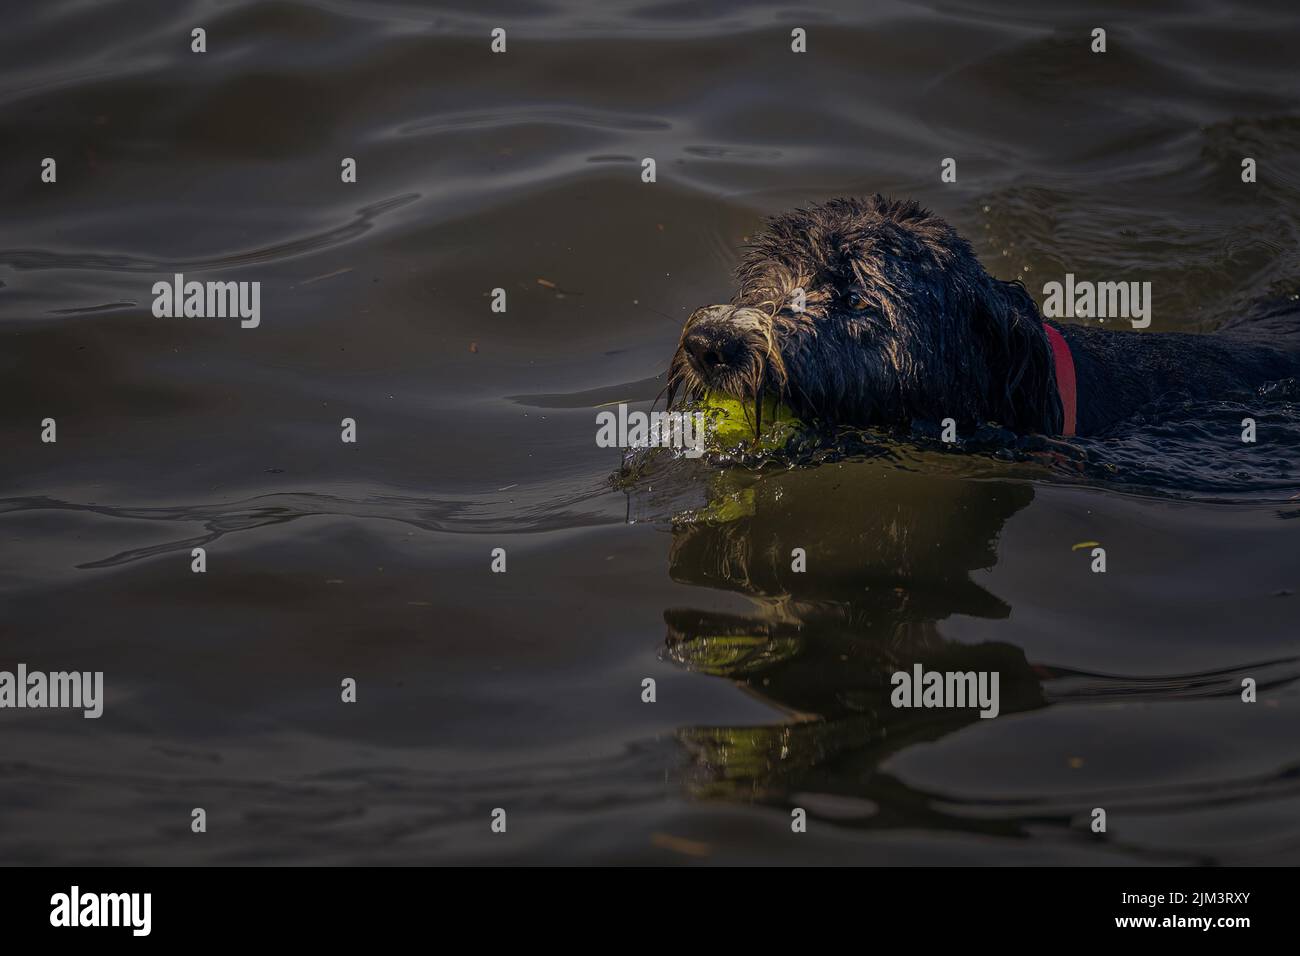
x: 731, y: 421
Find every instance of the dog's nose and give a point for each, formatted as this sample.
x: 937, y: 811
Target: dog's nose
x: 703, y: 351
x: 711, y: 348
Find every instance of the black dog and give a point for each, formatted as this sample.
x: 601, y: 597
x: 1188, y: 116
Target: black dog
x: 900, y: 323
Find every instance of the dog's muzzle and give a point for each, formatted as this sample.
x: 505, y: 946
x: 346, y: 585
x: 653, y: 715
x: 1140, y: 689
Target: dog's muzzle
x: 720, y: 340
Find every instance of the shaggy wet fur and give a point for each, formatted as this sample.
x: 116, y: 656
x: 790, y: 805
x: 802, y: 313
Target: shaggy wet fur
x: 900, y: 323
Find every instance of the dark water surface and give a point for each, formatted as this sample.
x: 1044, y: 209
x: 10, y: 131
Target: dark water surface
x: 476, y: 431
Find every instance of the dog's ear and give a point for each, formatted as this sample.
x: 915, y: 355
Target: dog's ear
x: 1021, y: 387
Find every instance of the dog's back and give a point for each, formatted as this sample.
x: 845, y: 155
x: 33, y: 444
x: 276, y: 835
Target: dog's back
x: 1274, y: 322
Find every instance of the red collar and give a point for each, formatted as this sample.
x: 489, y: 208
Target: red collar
x: 1065, y: 383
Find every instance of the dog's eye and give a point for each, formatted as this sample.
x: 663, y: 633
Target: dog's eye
x: 858, y: 302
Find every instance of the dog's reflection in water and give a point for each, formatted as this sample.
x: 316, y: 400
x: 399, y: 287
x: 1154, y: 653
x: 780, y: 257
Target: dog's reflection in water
x: 887, y: 559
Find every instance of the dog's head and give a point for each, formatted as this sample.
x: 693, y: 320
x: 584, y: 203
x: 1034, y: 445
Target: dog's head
x: 872, y: 312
